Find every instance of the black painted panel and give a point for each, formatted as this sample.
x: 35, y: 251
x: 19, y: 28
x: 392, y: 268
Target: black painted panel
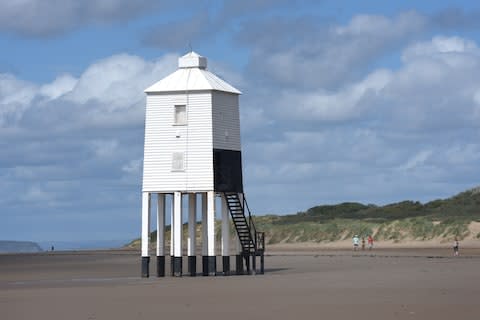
x: 227, y: 168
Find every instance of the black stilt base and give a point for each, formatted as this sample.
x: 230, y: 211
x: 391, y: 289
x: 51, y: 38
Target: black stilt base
x: 209, y: 265
x: 192, y: 266
x: 239, y: 264
x: 177, y: 266
x: 262, y: 264
x: 212, y: 265
x: 226, y: 265
x: 247, y: 263
x: 254, y: 265
x: 171, y: 266
x: 145, y: 267
x: 205, y: 265
x: 160, y: 266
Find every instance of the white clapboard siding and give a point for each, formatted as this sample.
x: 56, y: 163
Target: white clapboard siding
x: 195, y: 139
x: 226, y: 121
x: 212, y: 122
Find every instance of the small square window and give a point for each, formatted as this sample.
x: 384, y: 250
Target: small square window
x: 178, y: 161
x: 180, y: 115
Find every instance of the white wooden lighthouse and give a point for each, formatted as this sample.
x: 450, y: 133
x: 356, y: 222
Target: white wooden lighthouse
x: 192, y: 151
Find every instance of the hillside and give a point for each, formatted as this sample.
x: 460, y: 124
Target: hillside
x: 439, y: 220
x: 406, y: 220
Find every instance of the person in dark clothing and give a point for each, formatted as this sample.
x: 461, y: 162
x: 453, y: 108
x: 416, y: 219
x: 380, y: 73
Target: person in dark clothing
x: 455, y: 247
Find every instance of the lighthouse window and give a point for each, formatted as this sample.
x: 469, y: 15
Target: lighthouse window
x: 178, y: 161
x: 180, y: 115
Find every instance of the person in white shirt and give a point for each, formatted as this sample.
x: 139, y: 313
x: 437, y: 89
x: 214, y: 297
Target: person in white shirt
x: 356, y: 242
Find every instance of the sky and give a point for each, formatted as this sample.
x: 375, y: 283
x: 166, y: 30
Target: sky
x: 368, y: 101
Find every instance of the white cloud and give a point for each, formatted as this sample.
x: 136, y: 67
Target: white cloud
x: 60, y: 86
x: 110, y: 90
x: 442, y: 47
x: 436, y: 88
x: 44, y: 18
x: 325, y: 57
x: 15, y: 97
x: 339, y: 105
x: 381, y: 26
x: 118, y: 81
x: 35, y: 194
x: 417, y: 160
x: 463, y: 154
x: 104, y: 148
x: 133, y: 166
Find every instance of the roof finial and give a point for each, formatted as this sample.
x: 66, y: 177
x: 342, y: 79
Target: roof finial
x: 190, y: 46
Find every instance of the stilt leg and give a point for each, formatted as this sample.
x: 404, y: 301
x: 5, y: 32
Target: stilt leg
x: 192, y: 225
x: 225, y: 238
x: 254, y: 264
x: 192, y: 266
x: 160, y: 266
x: 204, y: 236
x: 226, y: 265
x: 262, y: 264
x: 145, y: 234
x: 212, y: 259
x: 177, y: 235
x: 161, y: 235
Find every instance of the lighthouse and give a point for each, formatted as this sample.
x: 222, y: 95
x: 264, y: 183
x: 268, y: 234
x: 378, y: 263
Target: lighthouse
x: 192, y: 156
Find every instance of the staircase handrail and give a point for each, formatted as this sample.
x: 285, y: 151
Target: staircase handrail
x: 253, y: 229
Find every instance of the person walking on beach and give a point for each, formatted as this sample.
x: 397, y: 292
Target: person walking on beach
x: 455, y: 247
x: 356, y: 242
x: 370, y: 242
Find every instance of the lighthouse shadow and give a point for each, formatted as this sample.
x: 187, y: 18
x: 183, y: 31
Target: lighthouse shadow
x: 235, y: 274
x: 274, y: 270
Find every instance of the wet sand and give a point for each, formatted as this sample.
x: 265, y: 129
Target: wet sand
x: 298, y: 284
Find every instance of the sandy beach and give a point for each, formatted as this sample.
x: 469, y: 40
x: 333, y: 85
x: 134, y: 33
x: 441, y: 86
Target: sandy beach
x: 309, y: 284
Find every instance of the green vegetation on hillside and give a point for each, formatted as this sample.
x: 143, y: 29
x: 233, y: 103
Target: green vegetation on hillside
x: 465, y: 205
x: 398, y: 221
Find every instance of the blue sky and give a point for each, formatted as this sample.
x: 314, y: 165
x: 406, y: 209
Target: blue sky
x: 368, y: 101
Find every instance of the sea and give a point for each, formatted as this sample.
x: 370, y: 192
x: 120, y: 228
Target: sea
x: 82, y: 245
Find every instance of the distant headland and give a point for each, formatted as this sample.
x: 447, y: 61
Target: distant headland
x: 8, y: 246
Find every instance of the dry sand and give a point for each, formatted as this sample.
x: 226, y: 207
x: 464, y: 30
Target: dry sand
x: 298, y: 284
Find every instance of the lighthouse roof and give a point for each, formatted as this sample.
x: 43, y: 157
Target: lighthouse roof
x: 192, y: 75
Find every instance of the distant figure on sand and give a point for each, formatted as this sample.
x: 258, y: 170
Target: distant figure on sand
x: 356, y: 242
x: 363, y: 243
x: 455, y: 247
x: 370, y: 242
x: 53, y: 248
